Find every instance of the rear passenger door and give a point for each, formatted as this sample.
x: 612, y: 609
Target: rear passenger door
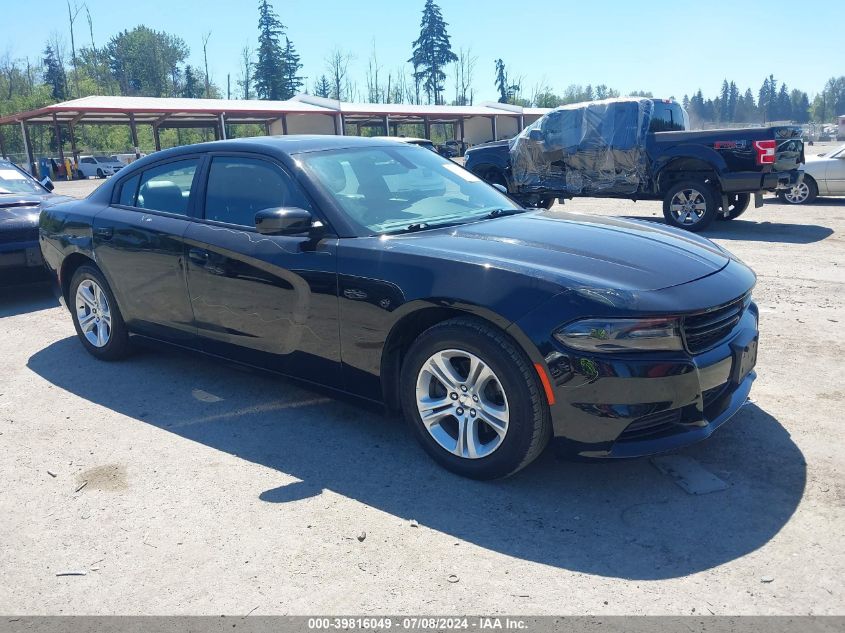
x: 139, y: 244
x: 265, y: 300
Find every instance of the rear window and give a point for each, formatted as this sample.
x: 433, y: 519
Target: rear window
x: 668, y: 117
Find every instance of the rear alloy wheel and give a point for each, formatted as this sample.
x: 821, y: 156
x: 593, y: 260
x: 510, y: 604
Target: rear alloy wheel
x: 690, y: 205
x: 100, y: 174
x: 804, y: 193
x: 96, y: 317
x: 737, y: 205
x: 473, y: 400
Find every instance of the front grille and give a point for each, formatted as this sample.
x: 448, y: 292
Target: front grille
x: 702, y: 331
x: 651, y: 425
x: 19, y: 234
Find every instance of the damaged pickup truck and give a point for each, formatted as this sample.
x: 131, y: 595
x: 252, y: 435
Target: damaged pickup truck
x: 641, y: 149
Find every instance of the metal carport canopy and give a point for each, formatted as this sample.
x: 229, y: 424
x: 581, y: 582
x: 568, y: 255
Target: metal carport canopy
x: 163, y: 111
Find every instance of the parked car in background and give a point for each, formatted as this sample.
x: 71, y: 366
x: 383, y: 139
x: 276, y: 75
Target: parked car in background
x: 452, y: 148
x: 21, y: 200
x: 824, y: 175
x: 125, y: 159
x: 98, y: 166
x: 641, y: 149
x: 492, y: 327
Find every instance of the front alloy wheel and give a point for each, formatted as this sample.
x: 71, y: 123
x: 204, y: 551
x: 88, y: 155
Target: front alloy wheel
x: 805, y: 192
x: 462, y: 404
x: 93, y: 313
x: 473, y: 399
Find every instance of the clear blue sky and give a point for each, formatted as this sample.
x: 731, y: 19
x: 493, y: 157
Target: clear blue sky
x: 671, y: 48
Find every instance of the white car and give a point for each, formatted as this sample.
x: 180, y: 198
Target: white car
x: 824, y: 175
x: 98, y: 166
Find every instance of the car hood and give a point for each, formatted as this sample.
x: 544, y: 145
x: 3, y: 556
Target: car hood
x: 575, y: 250
x: 21, y: 209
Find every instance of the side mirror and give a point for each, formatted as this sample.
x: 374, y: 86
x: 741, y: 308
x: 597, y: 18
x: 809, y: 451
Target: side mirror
x: 501, y: 188
x: 535, y: 135
x: 283, y: 221
x: 48, y: 184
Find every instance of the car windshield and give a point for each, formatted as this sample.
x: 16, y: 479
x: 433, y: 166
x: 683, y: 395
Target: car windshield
x: 13, y: 180
x: 395, y: 189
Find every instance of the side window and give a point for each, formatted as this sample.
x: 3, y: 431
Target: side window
x: 167, y: 187
x: 238, y: 188
x: 128, y: 191
x: 88, y: 161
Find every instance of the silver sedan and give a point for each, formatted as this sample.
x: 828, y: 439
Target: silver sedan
x: 824, y: 175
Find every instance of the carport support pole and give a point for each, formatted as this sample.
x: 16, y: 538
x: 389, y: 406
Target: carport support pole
x: 222, y: 126
x: 494, y: 121
x: 134, y: 132
x: 28, y: 148
x: 2, y: 144
x: 521, y: 122
x: 73, y: 151
x: 58, y: 130
x: 386, y: 125
x: 284, y: 124
x: 156, y: 138
x: 427, y: 125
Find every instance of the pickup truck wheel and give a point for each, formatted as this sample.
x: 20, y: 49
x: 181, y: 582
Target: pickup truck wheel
x: 691, y: 205
x: 805, y: 193
x: 738, y: 204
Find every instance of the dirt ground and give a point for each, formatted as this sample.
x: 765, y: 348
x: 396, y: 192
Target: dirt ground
x: 182, y: 485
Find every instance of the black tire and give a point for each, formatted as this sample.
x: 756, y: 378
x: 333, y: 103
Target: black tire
x: 529, y: 425
x: 546, y: 203
x: 117, y: 345
x: 738, y: 205
x: 812, y: 193
x: 495, y: 177
x: 700, y: 192
x: 100, y: 174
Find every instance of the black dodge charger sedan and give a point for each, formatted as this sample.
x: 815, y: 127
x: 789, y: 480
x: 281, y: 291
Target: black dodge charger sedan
x: 385, y: 271
x: 21, y: 200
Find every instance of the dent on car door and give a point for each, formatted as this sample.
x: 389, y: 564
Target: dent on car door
x: 265, y: 300
x: 138, y: 242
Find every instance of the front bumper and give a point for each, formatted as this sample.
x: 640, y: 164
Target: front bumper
x: 630, y: 405
x: 15, y: 255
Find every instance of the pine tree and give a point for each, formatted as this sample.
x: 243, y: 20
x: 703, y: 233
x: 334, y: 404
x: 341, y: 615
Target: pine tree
x: 291, y: 65
x: 323, y: 88
x: 192, y: 88
x: 269, y: 74
x: 733, y: 98
x: 432, y: 52
x: 501, y: 81
x: 783, y: 111
x: 724, y: 102
x: 54, y: 75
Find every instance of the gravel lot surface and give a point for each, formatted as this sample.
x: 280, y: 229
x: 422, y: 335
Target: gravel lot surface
x: 183, y: 485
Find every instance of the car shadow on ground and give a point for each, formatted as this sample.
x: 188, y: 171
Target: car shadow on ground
x: 20, y: 298
x: 754, y: 231
x: 617, y: 519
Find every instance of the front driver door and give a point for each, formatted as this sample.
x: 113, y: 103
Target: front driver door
x: 835, y: 175
x: 139, y: 244
x: 264, y: 300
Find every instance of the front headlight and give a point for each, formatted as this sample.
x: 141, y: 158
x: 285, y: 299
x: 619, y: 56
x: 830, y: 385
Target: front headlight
x: 623, y: 335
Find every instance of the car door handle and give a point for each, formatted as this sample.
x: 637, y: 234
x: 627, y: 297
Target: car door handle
x: 198, y: 256
x: 104, y: 232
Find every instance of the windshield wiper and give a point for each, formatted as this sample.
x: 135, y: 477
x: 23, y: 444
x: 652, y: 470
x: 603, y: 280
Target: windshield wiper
x: 499, y: 213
